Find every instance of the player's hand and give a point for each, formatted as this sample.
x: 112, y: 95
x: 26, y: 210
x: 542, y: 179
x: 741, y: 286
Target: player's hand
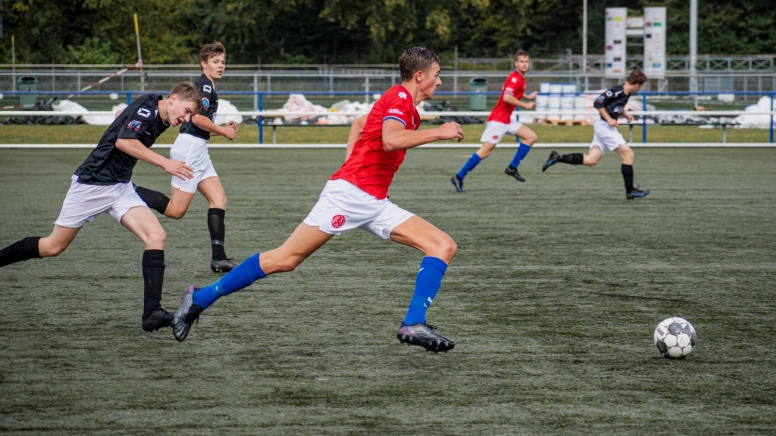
x: 532, y: 95
x: 451, y: 131
x: 629, y: 117
x: 177, y: 168
x: 232, y: 124
x: 229, y: 131
x: 612, y: 122
x: 530, y: 105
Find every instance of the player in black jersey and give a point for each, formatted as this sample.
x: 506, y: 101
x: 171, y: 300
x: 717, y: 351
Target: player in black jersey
x: 191, y: 147
x: 611, y: 106
x: 102, y: 184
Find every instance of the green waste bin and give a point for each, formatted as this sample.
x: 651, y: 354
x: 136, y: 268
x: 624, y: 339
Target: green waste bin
x: 478, y: 99
x: 28, y: 84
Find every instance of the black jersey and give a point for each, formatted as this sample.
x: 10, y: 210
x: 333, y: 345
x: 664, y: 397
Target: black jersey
x: 207, y: 90
x: 613, y: 100
x: 107, y: 165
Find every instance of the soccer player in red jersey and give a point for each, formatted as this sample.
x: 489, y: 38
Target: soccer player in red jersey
x: 499, y: 123
x: 356, y: 196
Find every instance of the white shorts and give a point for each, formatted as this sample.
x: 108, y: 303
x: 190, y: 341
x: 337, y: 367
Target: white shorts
x: 494, y: 131
x: 344, y: 206
x: 606, y: 137
x: 84, y: 202
x: 193, y: 151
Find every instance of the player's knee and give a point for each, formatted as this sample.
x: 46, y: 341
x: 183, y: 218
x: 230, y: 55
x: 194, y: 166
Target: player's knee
x: 51, y: 249
x: 446, y: 248
x: 175, y: 213
x: 218, y: 203
x: 530, y: 140
x: 287, y: 265
x: 156, y: 238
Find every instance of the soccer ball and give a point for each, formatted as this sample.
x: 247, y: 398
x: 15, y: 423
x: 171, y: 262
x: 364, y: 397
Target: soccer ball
x: 675, y: 338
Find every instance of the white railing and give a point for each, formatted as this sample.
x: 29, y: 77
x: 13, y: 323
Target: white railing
x: 724, y: 124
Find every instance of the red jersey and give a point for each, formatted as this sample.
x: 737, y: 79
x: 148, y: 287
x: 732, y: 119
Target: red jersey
x: 514, y: 86
x: 369, y: 166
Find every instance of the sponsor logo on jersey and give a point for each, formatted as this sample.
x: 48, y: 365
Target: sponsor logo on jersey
x: 207, y: 88
x: 338, y: 221
x: 514, y: 80
x: 608, y: 93
x: 205, y: 103
x: 403, y: 95
x: 395, y: 111
x: 143, y: 112
x: 134, y: 125
x: 600, y: 99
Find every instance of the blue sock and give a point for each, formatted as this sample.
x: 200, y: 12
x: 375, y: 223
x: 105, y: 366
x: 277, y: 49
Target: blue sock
x: 426, y: 286
x: 469, y: 165
x: 522, y: 150
x: 240, y: 277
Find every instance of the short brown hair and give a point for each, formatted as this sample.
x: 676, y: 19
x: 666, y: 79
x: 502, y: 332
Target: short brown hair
x: 521, y: 53
x: 188, y: 92
x: 207, y: 51
x: 416, y: 59
x: 636, y: 77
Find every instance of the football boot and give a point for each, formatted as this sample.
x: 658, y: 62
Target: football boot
x: 425, y: 336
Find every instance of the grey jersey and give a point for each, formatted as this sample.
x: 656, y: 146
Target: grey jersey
x: 107, y: 165
x: 613, y: 100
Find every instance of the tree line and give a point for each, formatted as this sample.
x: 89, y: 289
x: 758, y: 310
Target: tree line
x: 353, y: 31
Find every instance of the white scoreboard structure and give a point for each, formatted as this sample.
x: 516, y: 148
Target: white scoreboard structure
x: 651, y: 27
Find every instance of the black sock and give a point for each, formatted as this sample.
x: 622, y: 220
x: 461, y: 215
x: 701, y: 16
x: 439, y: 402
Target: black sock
x: 153, y: 279
x: 572, y: 158
x: 24, y: 249
x: 155, y: 200
x: 627, y: 175
x: 215, y: 223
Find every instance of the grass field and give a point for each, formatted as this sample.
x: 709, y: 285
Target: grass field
x: 552, y: 299
x: 247, y: 134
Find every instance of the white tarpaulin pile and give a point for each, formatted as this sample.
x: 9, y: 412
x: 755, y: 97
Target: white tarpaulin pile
x: 747, y: 121
x: 343, y: 112
x: 226, y: 107
x: 71, y: 106
x: 103, y: 120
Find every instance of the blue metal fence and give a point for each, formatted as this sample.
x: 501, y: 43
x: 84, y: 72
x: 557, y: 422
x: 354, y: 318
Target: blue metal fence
x: 260, y: 95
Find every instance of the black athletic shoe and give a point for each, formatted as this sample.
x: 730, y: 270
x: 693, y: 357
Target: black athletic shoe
x: 222, y: 266
x: 186, y: 315
x: 513, y: 172
x: 159, y: 318
x: 458, y: 183
x: 636, y: 193
x: 552, y: 160
x: 425, y: 336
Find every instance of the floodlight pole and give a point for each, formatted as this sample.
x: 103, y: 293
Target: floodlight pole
x: 694, y: 50
x: 584, y: 42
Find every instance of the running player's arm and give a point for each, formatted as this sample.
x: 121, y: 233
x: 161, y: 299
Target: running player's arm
x: 136, y: 149
x: 600, y: 104
x: 205, y: 124
x: 355, y: 132
x: 508, y: 98
x: 397, y: 137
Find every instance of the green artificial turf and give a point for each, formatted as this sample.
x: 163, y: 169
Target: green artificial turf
x: 552, y: 300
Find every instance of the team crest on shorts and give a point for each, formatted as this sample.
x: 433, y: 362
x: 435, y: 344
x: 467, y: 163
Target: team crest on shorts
x: 338, y: 221
x: 495, y: 136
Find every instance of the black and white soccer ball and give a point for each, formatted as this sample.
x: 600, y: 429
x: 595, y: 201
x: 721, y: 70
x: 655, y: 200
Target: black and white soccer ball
x: 675, y: 338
